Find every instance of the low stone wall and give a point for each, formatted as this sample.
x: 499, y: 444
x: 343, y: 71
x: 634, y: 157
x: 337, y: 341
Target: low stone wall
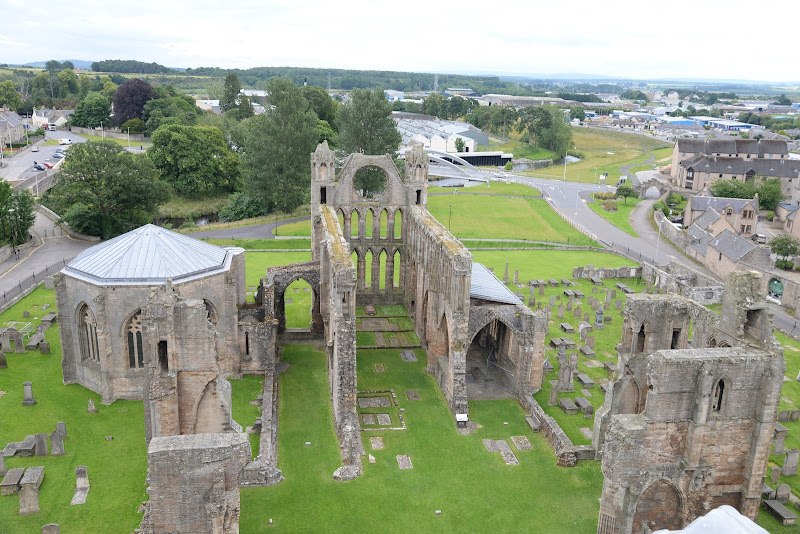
x: 579, y: 273
x: 668, y: 231
x: 567, y: 454
x: 682, y: 280
x: 114, y: 134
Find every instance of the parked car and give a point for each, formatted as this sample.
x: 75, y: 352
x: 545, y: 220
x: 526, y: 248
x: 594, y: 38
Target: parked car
x: 761, y: 239
x: 39, y: 167
x: 58, y: 155
x: 48, y: 164
x: 34, y: 149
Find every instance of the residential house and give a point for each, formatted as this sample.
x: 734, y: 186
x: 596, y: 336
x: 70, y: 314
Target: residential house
x: 727, y: 252
x: 42, y: 118
x: 12, y: 129
x: 716, y: 214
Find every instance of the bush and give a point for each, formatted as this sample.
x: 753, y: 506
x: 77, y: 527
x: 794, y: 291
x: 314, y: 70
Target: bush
x: 770, y: 215
x: 786, y: 265
x: 241, y: 206
x: 609, y: 206
x: 663, y: 207
x: 136, y: 126
x: 509, y: 166
x: 674, y: 198
x: 607, y: 195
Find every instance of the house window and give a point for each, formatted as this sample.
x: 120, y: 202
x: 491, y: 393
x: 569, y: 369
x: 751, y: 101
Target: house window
x: 134, y: 334
x: 729, y: 211
x: 690, y: 174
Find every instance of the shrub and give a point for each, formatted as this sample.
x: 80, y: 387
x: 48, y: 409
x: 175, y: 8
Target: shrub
x: 241, y: 206
x: 606, y: 195
x: 136, y: 126
x: 675, y: 198
x: 663, y: 207
x: 609, y: 206
x: 770, y: 215
x: 509, y: 166
x: 786, y: 265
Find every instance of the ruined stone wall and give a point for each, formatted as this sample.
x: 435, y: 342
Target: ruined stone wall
x: 584, y: 273
x: 113, y: 306
x: 681, y: 280
x: 193, y: 483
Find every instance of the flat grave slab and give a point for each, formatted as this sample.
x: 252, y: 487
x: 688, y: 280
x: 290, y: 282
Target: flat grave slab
x: 595, y: 280
x: 585, y: 406
x: 593, y: 363
x: 404, y: 462
x: 408, y: 356
x: 586, y: 351
x: 784, y: 515
x: 10, y: 483
x: 384, y: 419
x: 553, y: 282
x: 567, y: 406
x: 610, y: 366
x: 379, y: 367
x: 521, y: 443
x: 369, y: 309
x: 33, y: 475
x: 373, y: 402
x: 579, y: 294
x: 586, y: 393
x: 567, y: 328
x: 501, y: 446
x: 368, y: 419
x: 569, y: 293
x: 412, y: 394
x: 585, y: 381
x: 534, y: 423
x: 565, y: 282
x: 376, y: 442
x: 586, y: 431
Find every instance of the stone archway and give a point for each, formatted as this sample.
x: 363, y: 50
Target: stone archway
x: 652, y: 192
x: 775, y: 289
x: 659, y: 507
x: 283, y: 277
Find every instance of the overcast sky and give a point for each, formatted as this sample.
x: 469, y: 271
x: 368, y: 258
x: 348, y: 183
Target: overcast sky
x: 728, y: 39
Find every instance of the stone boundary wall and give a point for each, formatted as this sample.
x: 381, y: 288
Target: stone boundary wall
x: 681, y: 280
x: 567, y: 454
x: 668, y: 231
x: 263, y: 470
x: 113, y: 134
x: 583, y: 273
x: 72, y: 233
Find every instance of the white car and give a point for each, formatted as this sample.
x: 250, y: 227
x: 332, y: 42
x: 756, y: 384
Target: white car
x: 34, y: 149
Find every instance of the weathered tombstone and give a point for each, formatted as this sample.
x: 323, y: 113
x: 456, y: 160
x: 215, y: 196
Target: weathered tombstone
x: 586, y: 317
x: 41, y: 444
x: 91, y: 408
x: 547, y: 366
x: 56, y: 443
x: 553, y: 397
x: 782, y: 493
x: 565, y: 382
x: 3, y: 362
x: 576, y: 312
x: 780, y: 435
x: 5, y: 341
x: 590, y: 341
x: 81, y: 485
x: 606, y: 319
x: 594, y: 289
x: 552, y: 299
x: 61, y: 428
x: 790, y: 462
x: 29, y: 490
x: 28, y: 399
x: 26, y: 314
x: 560, y: 313
x: 613, y: 293
x: 44, y: 347
x: 52, y: 528
x: 531, y: 301
x: 775, y: 476
x: 48, y: 283
x: 608, y: 299
x: 3, y: 468
x: 795, y: 415
x: 598, y: 318
x: 783, y: 416
x: 541, y: 290
x: 618, y: 304
x: 516, y: 276
x: 530, y: 290
x: 569, y: 305
x: 583, y: 333
x: 505, y: 276
x: 19, y: 345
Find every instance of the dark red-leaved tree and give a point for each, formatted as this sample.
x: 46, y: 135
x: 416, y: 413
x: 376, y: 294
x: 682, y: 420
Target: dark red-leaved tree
x: 130, y: 98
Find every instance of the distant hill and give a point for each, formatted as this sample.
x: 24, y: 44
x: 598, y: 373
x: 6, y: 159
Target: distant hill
x: 79, y: 63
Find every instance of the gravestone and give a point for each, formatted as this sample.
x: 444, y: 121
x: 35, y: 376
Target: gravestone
x: 5, y: 341
x: 91, y: 408
x: 48, y: 284
x: 618, y: 304
x: 780, y: 435
x: 530, y: 289
x: 521, y: 443
x: 569, y: 305
x: 576, y: 312
x: 782, y: 493
x: 547, y: 366
x: 783, y: 415
x: 41, y: 444
x: 384, y: 419
x: 19, y: 345
x: 505, y: 276
x: 594, y: 289
x: 606, y: 319
x: 376, y: 442
x: 81, y: 486
x: 516, y: 276
x: 613, y: 293
x: 541, y: 290
x: 403, y: 461
x: 28, y: 399
x: 586, y: 317
x: 608, y: 299
x: 568, y: 406
x: 564, y: 370
x: 29, y: 490
x: 795, y: 415
x: 552, y: 299
x: 3, y: 362
x: 368, y: 419
x: 51, y: 528
x: 582, y: 333
x: 775, y: 476
x: 61, y: 428
x: 3, y: 468
x: 790, y: 462
x: 408, y: 356
x: 10, y: 483
x: 44, y: 347
x: 590, y: 341
x: 598, y: 318
x: 560, y: 313
x: 553, y: 397
x: 26, y: 314
x: 412, y: 394
x: 531, y: 301
x: 56, y: 443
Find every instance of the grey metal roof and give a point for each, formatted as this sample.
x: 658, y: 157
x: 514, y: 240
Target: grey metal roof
x: 148, y: 255
x: 485, y: 285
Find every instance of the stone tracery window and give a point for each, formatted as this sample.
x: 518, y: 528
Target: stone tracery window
x: 134, y: 335
x: 87, y: 334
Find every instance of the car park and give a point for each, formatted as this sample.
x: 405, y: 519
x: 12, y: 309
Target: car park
x: 39, y: 167
x: 57, y: 155
x: 48, y: 164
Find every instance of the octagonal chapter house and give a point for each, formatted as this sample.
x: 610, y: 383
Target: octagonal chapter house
x: 101, y: 293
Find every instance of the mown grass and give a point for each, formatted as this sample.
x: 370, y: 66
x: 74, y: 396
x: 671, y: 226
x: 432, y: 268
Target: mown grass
x: 256, y: 244
x: 620, y: 218
x: 244, y: 390
x: 493, y: 188
x: 503, y: 218
x: 121, y: 142
x: 117, y: 468
x: 452, y: 473
x: 257, y: 263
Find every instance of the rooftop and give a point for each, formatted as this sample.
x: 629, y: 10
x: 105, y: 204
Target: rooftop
x: 485, y: 285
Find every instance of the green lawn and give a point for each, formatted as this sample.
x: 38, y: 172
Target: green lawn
x: 535, y: 264
x: 255, y: 244
x: 494, y: 188
x: 520, y: 149
x: 620, y: 218
x: 503, y: 218
x: 116, y: 467
x: 452, y: 473
x: 121, y: 142
x: 257, y: 263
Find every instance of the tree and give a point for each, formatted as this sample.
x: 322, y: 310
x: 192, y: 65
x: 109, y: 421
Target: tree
x: 52, y: 66
x: 130, y: 98
x: 733, y: 188
x: 322, y: 104
x: 784, y: 246
x: 276, y: 147
x: 193, y: 158
x: 245, y: 108
x: 17, y: 214
x: 135, y: 126
x: 366, y: 125
x: 9, y: 96
x: 577, y: 113
x: 783, y: 100
x: 770, y: 194
x: 535, y: 120
x: 625, y: 191
x: 92, y: 111
x: 105, y: 190
x: 548, y: 128
x: 68, y: 65
x: 459, y: 144
x: 230, y: 92
x: 436, y: 105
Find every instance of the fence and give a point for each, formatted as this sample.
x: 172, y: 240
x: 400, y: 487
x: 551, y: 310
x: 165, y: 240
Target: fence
x: 28, y: 284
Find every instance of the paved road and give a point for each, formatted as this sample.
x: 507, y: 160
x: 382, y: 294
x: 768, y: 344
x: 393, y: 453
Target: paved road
x: 625, y: 169
x: 20, y: 166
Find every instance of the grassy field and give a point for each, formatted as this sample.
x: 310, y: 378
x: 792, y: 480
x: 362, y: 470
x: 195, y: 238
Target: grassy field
x: 520, y: 149
x: 493, y: 188
x: 251, y: 244
x: 621, y: 217
x: 501, y: 217
x: 605, y: 150
x: 121, y: 142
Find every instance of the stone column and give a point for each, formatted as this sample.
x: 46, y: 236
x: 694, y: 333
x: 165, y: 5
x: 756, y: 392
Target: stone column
x: 362, y: 275
x: 376, y: 272
x: 389, y: 275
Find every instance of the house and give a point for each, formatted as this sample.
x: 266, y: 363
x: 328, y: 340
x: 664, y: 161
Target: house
x: 12, y: 129
x: 727, y: 252
x: 716, y: 214
x: 437, y: 134
x: 42, y: 118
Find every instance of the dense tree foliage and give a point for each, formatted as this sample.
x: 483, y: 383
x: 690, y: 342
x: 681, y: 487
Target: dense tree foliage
x: 130, y: 99
x: 93, y: 111
x: 626, y: 191
x: 17, y: 214
x: 9, y: 96
x: 546, y: 127
x: 784, y: 246
x: 769, y: 191
x: 230, y: 92
x: 169, y: 108
x: 193, y: 158
x: 105, y: 190
x: 128, y: 66
x: 276, y: 147
x: 633, y: 94
x: 323, y: 105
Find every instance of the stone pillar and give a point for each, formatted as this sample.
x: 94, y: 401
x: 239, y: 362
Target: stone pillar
x: 374, y: 281
x: 362, y: 274
x: 790, y: 462
x: 516, y: 276
x: 505, y: 276
x: 28, y: 399
x: 389, y: 274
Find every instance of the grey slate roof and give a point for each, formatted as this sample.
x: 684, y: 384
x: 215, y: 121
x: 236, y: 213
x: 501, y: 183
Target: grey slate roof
x: 731, y: 245
x: 732, y: 146
x: 148, y: 255
x: 700, y: 203
x: 709, y: 217
x: 777, y: 168
x: 485, y: 285
x: 696, y: 232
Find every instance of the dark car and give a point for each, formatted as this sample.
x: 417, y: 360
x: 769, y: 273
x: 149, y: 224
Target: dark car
x: 39, y: 167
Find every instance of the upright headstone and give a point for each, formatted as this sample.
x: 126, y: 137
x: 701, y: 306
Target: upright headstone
x: 780, y: 435
x: 505, y: 276
x: 56, y: 443
x: 26, y: 314
x: 5, y: 341
x: 27, y: 392
x: 775, y: 476
x: 790, y: 463
x: 795, y: 415
x: 3, y: 468
x: 541, y: 290
x: 516, y: 276
x: 48, y: 283
x: 61, y: 428
x: 613, y: 293
x: 594, y: 289
x: 576, y: 312
x: 783, y: 492
x: 560, y: 313
x: 19, y: 345
x: 553, y: 400
x: 3, y: 362
x: 586, y: 317
x: 44, y: 347
x: 52, y: 528
x: 41, y: 444
x: 608, y: 299
x: 598, y: 318
x: 530, y: 290
x: 565, y: 382
x: 783, y: 416
x: 590, y: 341
x: 531, y: 301
x: 91, y: 408
x: 618, y: 304
x: 569, y: 305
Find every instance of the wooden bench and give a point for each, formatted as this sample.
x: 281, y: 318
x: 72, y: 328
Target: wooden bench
x: 566, y: 327
x: 784, y: 515
x: 585, y: 381
x: 370, y: 309
x: 568, y: 406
